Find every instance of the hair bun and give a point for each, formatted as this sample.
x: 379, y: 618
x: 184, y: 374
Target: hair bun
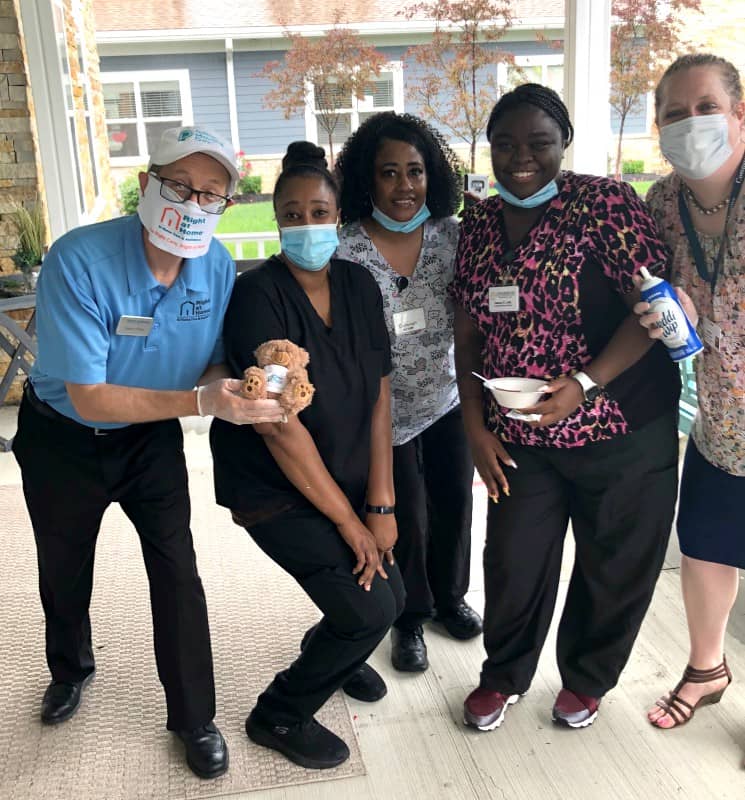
x: 304, y: 153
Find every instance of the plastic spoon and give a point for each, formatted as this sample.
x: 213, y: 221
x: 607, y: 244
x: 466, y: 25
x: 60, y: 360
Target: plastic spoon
x: 486, y: 380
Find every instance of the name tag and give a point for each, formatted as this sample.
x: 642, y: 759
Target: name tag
x: 504, y: 298
x: 712, y: 334
x: 409, y: 321
x: 134, y: 326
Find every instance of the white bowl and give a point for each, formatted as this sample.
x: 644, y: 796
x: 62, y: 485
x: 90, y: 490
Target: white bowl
x: 516, y: 392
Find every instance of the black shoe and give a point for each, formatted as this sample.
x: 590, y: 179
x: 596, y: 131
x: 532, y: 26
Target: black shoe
x: 308, y: 744
x: 206, y: 751
x: 365, y: 684
x: 62, y: 700
x: 460, y: 621
x: 408, y: 651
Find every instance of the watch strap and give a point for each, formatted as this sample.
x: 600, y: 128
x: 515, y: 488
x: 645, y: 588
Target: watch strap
x: 379, y: 509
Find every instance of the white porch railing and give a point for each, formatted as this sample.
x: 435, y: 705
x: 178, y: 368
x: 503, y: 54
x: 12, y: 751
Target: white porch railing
x: 238, y: 240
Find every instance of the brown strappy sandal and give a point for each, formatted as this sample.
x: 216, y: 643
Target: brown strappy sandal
x: 678, y: 709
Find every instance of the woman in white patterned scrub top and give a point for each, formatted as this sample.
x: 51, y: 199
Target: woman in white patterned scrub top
x: 400, y: 189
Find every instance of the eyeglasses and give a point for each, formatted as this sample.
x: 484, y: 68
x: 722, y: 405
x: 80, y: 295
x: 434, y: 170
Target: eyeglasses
x: 178, y: 192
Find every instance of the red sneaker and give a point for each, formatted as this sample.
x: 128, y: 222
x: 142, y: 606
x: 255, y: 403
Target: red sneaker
x: 574, y: 709
x: 485, y: 709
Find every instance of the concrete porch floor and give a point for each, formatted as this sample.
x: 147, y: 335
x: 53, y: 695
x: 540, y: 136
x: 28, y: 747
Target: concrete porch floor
x: 415, y: 746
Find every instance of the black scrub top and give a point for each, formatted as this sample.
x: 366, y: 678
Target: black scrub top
x: 347, y: 362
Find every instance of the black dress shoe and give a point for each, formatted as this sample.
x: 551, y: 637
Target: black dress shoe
x: 62, y: 700
x: 408, y: 651
x: 308, y: 744
x: 460, y: 621
x: 365, y: 684
x: 206, y: 751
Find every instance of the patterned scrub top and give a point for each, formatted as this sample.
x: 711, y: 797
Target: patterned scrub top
x: 423, y: 387
x: 719, y: 427
x: 571, y: 270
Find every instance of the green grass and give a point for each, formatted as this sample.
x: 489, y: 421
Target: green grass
x: 249, y: 218
x: 642, y: 187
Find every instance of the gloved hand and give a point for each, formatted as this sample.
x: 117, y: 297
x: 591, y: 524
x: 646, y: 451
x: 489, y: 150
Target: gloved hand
x: 223, y: 399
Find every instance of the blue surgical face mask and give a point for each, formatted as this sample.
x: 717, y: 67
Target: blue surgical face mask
x: 543, y: 195
x: 696, y: 146
x: 309, y: 246
x: 394, y: 225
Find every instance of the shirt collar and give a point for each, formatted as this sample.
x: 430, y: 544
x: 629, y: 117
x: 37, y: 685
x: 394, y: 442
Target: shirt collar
x: 192, y: 277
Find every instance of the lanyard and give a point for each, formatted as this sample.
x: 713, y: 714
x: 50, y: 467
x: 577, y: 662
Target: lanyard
x: 693, y: 240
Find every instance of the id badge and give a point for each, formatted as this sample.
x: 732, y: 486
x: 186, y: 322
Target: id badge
x: 712, y: 334
x: 504, y: 298
x: 134, y: 326
x: 409, y: 321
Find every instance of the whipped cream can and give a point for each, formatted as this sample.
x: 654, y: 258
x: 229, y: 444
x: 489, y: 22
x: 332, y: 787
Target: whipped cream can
x: 678, y: 335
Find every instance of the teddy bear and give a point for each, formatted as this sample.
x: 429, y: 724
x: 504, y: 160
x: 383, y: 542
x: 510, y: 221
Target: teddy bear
x: 280, y: 373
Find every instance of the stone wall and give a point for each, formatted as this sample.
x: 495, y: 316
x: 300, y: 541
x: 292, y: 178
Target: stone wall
x: 19, y: 178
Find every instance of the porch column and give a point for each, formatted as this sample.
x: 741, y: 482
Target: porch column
x: 587, y: 83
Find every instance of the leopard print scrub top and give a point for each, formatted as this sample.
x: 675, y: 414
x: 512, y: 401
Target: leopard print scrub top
x: 571, y: 270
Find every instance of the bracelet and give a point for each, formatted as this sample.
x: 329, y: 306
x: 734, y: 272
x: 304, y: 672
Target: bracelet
x: 199, y: 401
x: 380, y: 509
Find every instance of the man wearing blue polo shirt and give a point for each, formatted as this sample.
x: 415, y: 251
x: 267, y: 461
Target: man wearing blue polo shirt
x: 129, y: 315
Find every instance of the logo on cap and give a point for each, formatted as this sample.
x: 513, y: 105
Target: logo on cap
x: 187, y: 133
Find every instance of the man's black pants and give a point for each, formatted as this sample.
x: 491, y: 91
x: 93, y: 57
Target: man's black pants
x: 433, y: 476
x: 70, y: 476
x: 620, y: 496
x: 309, y: 547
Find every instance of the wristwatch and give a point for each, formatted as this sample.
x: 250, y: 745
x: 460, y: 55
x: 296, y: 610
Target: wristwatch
x: 590, y: 389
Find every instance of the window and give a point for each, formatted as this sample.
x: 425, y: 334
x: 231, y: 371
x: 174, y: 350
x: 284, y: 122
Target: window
x: 139, y: 107
x: 386, y: 94
x: 546, y: 69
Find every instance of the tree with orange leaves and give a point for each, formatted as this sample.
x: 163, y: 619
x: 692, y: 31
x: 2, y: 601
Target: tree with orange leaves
x: 455, y: 84
x: 337, y: 66
x: 645, y: 37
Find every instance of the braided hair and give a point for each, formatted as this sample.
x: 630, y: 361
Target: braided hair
x: 534, y: 94
x: 728, y: 73
x: 305, y: 159
x: 356, y: 164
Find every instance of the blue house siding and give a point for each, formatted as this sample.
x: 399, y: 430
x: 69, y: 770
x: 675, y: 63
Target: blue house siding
x: 207, y: 76
x: 262, y: 130
x: 636, y: 119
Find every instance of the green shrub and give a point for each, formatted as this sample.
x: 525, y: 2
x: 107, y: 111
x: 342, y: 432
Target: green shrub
x: 633, y: 167
x: 251, y: 184
x: 29, y: 223
x: 129, y: 192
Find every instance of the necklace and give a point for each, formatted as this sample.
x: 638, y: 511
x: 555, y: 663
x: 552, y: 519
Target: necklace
x: 707, y: 211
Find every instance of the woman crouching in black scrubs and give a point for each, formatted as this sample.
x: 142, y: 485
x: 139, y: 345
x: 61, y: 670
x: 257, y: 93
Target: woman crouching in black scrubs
x: 316, y: 493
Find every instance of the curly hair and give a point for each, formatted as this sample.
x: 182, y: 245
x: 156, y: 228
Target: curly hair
x: 356, y: 164
x: 534, y: 94
x: 304, y: 159
x: 728, y: 72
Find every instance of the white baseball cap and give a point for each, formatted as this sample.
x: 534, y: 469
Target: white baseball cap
x: 176, y: 143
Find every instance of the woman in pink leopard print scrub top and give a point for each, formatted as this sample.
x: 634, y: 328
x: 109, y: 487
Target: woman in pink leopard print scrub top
x: 700, y: 208
x: 543, y: 288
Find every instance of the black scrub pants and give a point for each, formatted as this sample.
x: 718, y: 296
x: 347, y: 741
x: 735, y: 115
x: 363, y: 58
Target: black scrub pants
x: 620, y: 496
x: 308, y: 546
x: 433, y: 478
x: 71, y: 475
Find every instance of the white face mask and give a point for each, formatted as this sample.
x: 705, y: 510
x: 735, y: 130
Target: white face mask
x: 182, y: 229
x: 696, y: 146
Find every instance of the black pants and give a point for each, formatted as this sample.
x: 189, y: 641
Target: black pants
x: 309, y: 547
x: 433, y: 476
x: 70, y: 476
x: 620, y: 496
